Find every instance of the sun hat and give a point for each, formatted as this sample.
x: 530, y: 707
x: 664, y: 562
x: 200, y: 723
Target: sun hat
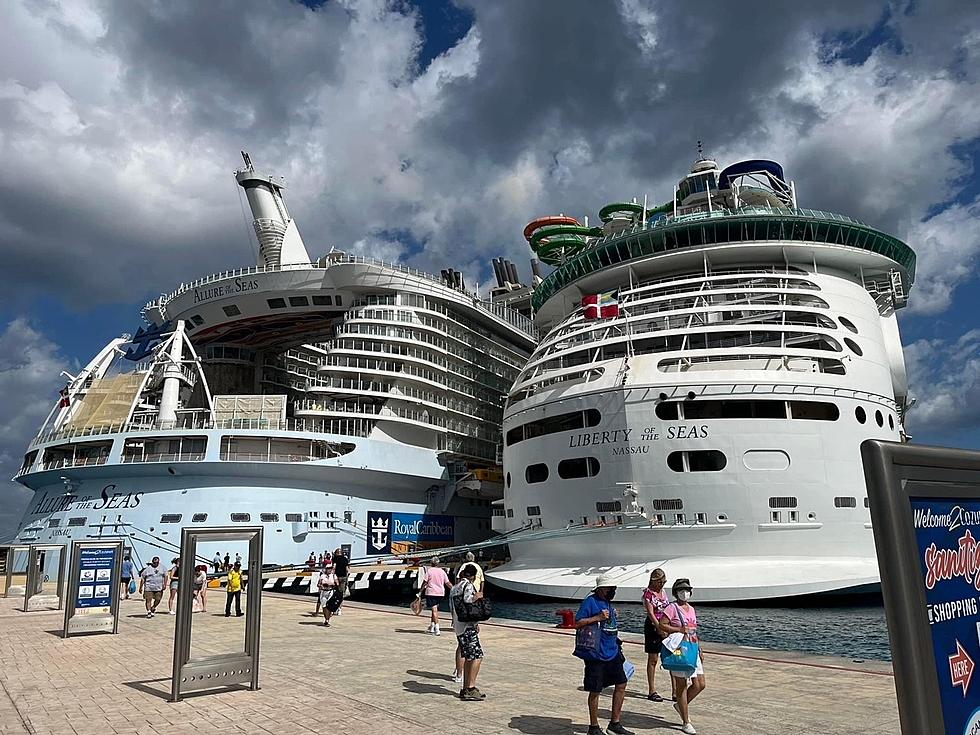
x: 604, y: 580
x: 682, y: 583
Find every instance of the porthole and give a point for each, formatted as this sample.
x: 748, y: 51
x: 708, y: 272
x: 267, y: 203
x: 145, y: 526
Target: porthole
x: 854, y: 346
x: 891, y: 422
x: 536, y: 473
x: 879, y: 419
x: 847, y: 323
x: 722, y: 518
x: 811, y: 516
x: 860, y: 415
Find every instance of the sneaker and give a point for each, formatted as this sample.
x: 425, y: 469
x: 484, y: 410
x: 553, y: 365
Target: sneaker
x: 437, y: 631
x: 458, y: 678
x: 149, y: 614
x: 618, y: 729
x: 596, y: 730
x: 430, y: 629
x: 172, y: 612
x: 480, y: 694
x: 471, y: 695
x: 688, y: 729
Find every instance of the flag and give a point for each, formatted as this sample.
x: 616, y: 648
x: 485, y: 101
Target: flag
x: 601, y: 305
x: 65, y: 401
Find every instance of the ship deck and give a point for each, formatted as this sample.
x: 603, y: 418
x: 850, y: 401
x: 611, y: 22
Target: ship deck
x: 375, y: 670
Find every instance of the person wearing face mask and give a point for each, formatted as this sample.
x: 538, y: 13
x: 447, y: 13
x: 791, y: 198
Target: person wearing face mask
x: 152, y: 581
x: 680, y: 617
x: 606, y: 667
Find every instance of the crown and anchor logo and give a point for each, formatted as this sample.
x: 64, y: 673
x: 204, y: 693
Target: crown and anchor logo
x: 379, y: 532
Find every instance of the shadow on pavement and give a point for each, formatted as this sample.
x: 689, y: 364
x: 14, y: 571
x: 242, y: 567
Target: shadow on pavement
x: 412, y: 630
x: 429, y: 675
x: 418, y: 687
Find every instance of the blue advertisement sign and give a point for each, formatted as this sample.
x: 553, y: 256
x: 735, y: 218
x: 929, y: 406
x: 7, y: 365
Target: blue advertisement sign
x: 948, y: 538
x: 401, y: 533
x: 96, y: 587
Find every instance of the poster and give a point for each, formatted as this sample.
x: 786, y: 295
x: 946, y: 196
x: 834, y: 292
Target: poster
x: 95, y: 583
x: 402, y: 533
x: 948, y: 540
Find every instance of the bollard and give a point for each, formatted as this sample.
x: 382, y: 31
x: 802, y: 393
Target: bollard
x: 567, y: 618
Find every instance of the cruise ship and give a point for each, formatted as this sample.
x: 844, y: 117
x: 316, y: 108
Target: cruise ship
x: 707, y: 371
x: 338, y: 402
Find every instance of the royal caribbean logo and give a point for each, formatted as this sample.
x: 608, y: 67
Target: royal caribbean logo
x: 379, y: 532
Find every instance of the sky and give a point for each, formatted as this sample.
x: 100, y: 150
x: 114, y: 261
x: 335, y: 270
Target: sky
x: 430, y: 132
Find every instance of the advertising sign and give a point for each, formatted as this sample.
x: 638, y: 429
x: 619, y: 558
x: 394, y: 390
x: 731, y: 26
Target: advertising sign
x: 402, y: 533
x: 95, y: 583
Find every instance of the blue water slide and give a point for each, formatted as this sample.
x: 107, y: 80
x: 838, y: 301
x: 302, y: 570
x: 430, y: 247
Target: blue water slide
x: 773, y: 169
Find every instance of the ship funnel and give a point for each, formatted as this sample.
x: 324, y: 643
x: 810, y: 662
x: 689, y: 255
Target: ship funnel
x: 279, y: 239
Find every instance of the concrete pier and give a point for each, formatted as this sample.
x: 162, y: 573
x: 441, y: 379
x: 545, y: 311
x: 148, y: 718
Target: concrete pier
x: 375, y: 671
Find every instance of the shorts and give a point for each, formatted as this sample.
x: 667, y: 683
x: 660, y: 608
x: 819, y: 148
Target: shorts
x: 469, y: 644
x: 126, y: 580
x: 432, y: 601
x: 173, y: 585
x: 652, y: 638
x: 602, y: 674
x: 698, y: 671
x: 153, y: 597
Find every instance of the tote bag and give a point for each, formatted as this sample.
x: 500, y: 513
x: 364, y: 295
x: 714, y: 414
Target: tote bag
x: 683, y: 660
x: 587, y: 642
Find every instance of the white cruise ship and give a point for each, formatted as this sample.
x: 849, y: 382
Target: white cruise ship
x: 339, y: 402
x: 704, y: 411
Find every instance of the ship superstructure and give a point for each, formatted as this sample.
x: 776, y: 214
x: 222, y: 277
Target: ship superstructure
x: 338, y: 401
x: 707, y: 372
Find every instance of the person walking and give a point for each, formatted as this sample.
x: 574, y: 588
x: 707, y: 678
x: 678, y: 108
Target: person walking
x: 152, y: 581
x: 680, y: 617
x: 436, y: 584
x: 226, y: 562
x: 654, y: 602
x: 467, y: 634
x: 216, y: 562
x: 469, y: 562
x: 173, y: 582
x: 238, y: 558
x: 605, y: 666
x: 341, y: 564
x: 128, y: 572
x: 201, y: 587
x: 327, y: 598
x: 468, y: 558
x: 234, y: 590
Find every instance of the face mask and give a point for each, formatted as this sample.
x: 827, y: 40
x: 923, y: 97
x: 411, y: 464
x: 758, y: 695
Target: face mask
x: 610, y: 595
x: 683, y: 595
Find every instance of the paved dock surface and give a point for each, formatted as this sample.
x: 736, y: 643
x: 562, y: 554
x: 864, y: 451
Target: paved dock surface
x: 375, y: 671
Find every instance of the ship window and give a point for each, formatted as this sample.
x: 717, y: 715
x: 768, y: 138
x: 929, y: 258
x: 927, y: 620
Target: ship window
x: 338, y: 301
x: 675, y: 460
x: 294, y: 517
x: 766, y: 459
x: 170, y: 518
x: 298, y: 301
x: 891, y: 422
x: 860, y: 414
x: 854, y: 346
x: 276, y: 303
x: 510, y: 512
x: 845, y: 502
x: 847, y: 323
x: 680, y: 518
x: 776, y: 516
x: 659, y: 519
x: 614, y: 506
x: 867, y: 503
x: 794, y: 516
x: 737, y: 409
x: 722, y: 518
x: 569, y: 469
x: 534, y: 510
x: 701, y: 518
x: 54, y: 522
x: 536, y: 473
x: 199, y: 518
x: 198, y: 321
x: 814, y: 410
x: 879, y: 419
x: 241, y: 517
x: 231, y: 310
x: 269, y: 517
x: 554, y: 424
x: 667, y: 410
x: 322, y: 301
x: 668, y: 504
x: 782, y: 501
x: 76, y: 521
x: 348, y: 516
x: 701, y: 460
x: 508, y: 479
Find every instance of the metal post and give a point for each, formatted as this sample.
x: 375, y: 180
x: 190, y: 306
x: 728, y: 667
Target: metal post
x: 35, y: 575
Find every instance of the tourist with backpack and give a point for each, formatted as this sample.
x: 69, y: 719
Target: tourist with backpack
x: 597, y: 643
x: 680, y: 618
x: 468, y: 608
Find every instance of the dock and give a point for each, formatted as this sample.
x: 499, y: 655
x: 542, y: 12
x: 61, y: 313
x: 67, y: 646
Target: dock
x: 376, y: 671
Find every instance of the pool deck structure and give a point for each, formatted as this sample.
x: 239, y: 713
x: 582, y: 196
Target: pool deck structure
x: 376, y: 671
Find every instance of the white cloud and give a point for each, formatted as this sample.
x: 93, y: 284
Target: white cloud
x: 944, y: 376
x: 30, y: 365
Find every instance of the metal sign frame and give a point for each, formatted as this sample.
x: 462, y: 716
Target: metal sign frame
x: 892, y: 470
x: 80, y: 624
x: 11, y: 549
x: 224, y: 669
x: 34, y: 570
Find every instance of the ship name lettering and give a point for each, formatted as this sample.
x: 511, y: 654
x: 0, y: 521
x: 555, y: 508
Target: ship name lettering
x: 243, y: 285
x: 634, y: 449
x: 615, y: 436
x: 56, y: 504
x: 687, y: 432
x: 117, y: 500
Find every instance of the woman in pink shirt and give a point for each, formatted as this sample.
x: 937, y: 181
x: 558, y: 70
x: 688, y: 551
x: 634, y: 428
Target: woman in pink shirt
x: 680, y: 617
x: 654, y: 602
x: 435, y: 586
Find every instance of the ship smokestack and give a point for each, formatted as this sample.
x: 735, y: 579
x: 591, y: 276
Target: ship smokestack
x: 512, y: 272
x: 498, y: 270
x: 279, y: 240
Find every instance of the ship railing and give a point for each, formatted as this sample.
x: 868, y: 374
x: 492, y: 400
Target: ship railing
x: 268, y: 457
x: 162, y: 457
x: 56, y: 464
x: 512, y: 317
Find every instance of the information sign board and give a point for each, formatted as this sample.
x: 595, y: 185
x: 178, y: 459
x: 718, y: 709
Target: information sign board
x: 93, y: 588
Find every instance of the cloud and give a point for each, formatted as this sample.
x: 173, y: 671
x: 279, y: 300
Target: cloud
x: 30, y: 365
x: 945, y: 379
